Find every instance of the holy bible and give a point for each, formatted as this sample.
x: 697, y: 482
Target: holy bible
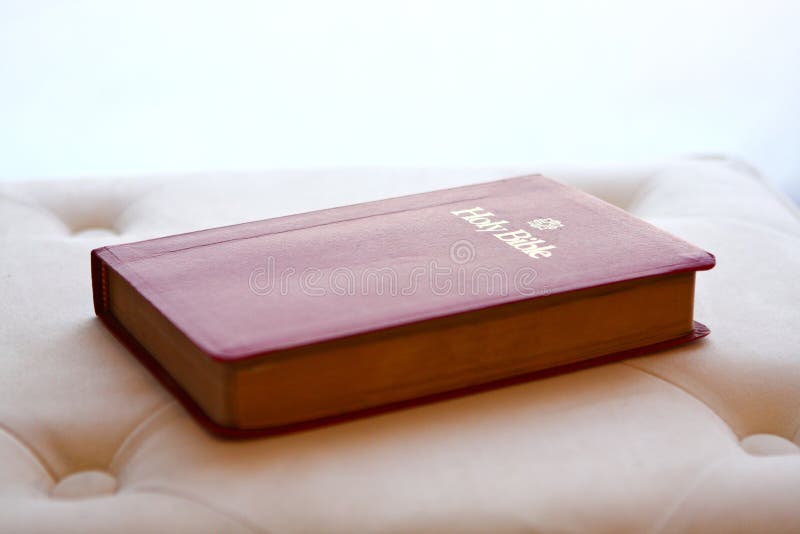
x: 277, y: 324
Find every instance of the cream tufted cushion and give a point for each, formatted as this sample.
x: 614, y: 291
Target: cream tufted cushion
x: 701, y: 438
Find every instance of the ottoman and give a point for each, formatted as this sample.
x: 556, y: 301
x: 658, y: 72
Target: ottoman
x: 702, y: 438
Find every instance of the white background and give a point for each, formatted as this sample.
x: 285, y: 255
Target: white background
x: 106, y: 88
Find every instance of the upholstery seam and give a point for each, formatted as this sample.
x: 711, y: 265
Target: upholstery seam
x: 133, y: 202
x: 785, y: 200
x: 796, y: 435
x: 729, y: 220
x: 233, y: 516
x: 723, y: 159
x: 745, y: 169
x: 137, y: 429
x: 642, y: 190
x: 39, y: 207
x: 33, y: 453
x: 675, y: 506
x: 685, y: 391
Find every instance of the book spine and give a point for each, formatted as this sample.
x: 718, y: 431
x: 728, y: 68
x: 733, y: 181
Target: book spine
x: 99, y: 283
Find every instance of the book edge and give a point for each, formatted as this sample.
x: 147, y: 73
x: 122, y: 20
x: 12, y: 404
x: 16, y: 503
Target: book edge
x: 699, y: 331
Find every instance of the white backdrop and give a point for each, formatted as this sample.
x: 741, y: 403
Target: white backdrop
x: 105, y: 88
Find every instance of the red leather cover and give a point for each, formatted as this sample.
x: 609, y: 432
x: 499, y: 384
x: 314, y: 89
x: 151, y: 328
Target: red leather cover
x: 250, y: 289
x: 213, y: 284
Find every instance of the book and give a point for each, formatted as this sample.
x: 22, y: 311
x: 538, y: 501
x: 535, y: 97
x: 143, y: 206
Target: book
x: 284, y: 323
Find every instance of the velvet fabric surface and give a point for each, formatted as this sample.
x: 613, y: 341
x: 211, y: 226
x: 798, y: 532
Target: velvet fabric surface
x: 701, y: 438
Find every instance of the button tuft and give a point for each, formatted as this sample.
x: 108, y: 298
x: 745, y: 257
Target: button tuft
x: 85, y: 484
x: 768, y: 445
